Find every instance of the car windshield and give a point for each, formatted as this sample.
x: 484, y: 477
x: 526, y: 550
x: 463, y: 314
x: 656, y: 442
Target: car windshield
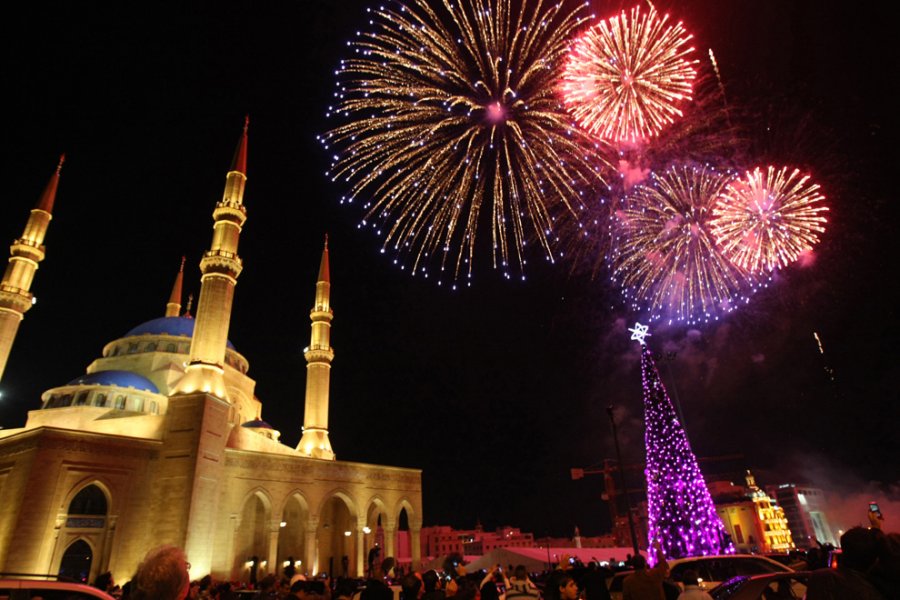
x: 724, y: 568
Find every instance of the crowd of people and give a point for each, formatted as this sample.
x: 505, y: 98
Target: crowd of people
x: 869, y: 569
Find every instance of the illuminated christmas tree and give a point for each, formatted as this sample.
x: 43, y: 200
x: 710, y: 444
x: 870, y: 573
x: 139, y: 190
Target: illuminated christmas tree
x: 680, y: 512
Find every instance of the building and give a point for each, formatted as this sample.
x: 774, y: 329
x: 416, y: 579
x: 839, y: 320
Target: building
x: 442, y: 540
x: 754, y: 520
x: 162, y: 441
x: 804, y: 507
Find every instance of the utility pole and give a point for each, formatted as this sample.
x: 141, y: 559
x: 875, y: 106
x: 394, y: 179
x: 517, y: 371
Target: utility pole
x: 615, y: 430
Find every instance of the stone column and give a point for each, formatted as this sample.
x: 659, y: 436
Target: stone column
x: 309, y: 558
x: 233, y: 565
x: 272, y: 560
x: 390, y: 539
x: 360, y: 550
x: 415, y: 544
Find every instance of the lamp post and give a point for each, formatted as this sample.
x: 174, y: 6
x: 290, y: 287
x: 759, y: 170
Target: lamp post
x: 615, y: 430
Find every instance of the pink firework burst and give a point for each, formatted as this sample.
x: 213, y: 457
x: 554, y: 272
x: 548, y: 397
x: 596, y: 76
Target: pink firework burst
x: 769, y: 218
x: 626, y: 77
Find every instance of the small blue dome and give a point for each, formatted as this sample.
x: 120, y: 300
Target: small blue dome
x: 180, y: 326
x: 258, y: 424
x: 120, y: 378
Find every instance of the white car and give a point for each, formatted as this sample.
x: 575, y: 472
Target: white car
x: 26, y: 589
x: 712, y: 570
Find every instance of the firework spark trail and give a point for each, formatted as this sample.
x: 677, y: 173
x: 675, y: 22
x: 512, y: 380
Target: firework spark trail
x: 454, y: 112
x: 626, y: 77
x: 665, y: 257
x: 768, y: 218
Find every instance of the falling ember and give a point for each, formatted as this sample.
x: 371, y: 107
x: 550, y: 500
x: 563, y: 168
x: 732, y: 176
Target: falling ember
x: 626, y: 78
x: 769, y: 218
x: 450, y: 120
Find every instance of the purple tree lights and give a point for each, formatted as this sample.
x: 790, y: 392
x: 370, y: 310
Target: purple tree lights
x: 681, y: 514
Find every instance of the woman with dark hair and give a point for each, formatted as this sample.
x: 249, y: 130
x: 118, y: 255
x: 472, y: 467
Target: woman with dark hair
x: 520, y: 587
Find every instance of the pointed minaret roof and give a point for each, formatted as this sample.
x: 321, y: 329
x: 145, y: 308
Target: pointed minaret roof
x: 239, y: 163
x: 324, y: 271
x: 45, y: 203
x: 174, y: 305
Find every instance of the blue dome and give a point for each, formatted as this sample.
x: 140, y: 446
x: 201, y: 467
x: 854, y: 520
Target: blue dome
x: 120, y: 378
x: 257, y: 424
x: 180, y: 326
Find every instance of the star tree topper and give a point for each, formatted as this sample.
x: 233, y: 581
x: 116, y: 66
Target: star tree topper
x: 639, y: 332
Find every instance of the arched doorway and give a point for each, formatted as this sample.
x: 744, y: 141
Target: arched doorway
x: 76, y: 561
x: 84, y: 540
x: 292, y: 537
x: 252, y: 538
x: 373, y: 535
x: 408, y: 536
x: 336, y: 538
x: 404, y: 556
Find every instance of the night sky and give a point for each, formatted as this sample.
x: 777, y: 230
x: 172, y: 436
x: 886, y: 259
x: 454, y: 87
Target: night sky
x: 497, y: 390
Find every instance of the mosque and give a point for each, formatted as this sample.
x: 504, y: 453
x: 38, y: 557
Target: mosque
x: 162, y: 441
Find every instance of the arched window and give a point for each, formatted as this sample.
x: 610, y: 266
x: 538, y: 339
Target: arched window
x: 100, y: 400
x: 120, y: 402
x: 81, y: 399
x: 132, y: 347
x: 151, y: 347
x: 66, y: 400
x: 171, y: 348
x: 76, y: 562
x: 89, y: 501
x: 137, y: 404
x: 154, y: 409
x: 115, y: 351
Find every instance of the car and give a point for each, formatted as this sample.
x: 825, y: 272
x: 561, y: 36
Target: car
x: 712, y: 570
x: 25, y: 589
x: 774, y: 586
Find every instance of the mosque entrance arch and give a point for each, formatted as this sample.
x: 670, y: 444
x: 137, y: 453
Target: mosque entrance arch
x: 85, y: 533
x: 409, y: 527
x: 292, y: 537
x: 336, y: 538
x: 76, y: 561
x: 373, y: 535
x: 251, y: 559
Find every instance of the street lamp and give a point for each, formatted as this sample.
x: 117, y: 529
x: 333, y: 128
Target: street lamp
x: 615, y: 430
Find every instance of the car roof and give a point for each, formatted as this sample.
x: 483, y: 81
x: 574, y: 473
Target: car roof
x: 37, y: 584
x: 675, y: 561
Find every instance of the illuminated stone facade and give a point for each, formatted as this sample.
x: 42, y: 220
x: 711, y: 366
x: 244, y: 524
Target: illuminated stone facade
x: 162, y: 441
x: 755, y: 521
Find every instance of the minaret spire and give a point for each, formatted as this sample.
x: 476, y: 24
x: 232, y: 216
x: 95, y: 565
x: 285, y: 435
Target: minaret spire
x: 319, y: 354
x: 173, y: 308
x: 25, y: 254
x: 220, y: 267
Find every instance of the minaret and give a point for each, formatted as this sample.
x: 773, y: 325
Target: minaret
x: 25, y: 254
x: 220, y: 267
x: 173, y: 308
x: 319, y: 354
